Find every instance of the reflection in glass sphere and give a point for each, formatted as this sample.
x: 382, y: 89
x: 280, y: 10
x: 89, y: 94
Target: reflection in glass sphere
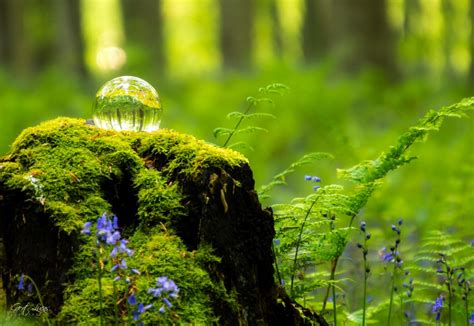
x: 127, y: 103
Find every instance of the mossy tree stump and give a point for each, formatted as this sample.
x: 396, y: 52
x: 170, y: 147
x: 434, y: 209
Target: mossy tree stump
x: 188, y: 208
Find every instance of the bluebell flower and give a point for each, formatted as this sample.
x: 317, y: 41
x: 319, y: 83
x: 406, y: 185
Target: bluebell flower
x: 21, y: 283
x: 316, y: 179
x: 308, y: 177
x: 112, y: 238
x: 86, y: 228
x: 315, y: 188
x: 167, y: 302
x: 165, y: 289
x: 29, y: 288
x: 438, y: 305
x: 135, y: 271
x: 121, y: 265
x: 141, y: 309
x: 115, y: 222
x: 132, y: 300
x: 471, y: 321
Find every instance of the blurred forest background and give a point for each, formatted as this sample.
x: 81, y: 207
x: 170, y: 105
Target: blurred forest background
x: 360, y: 73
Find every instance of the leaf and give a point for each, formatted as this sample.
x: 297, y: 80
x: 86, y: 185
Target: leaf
x: 240, y: 115
x: 221, y: 132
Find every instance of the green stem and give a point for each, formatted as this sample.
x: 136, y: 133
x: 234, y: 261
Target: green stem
x: 365, y: 288
x: 392, y: 290
x: 99, y: 279
x: 115, y: 306
x: 276, y: 264
x: 466, y: 306
x: 298, y: 242
x: 38, y: 293
x: 334, y: 309
x: 449, y: 303
x: 249, y: 106
x: 331, y: 279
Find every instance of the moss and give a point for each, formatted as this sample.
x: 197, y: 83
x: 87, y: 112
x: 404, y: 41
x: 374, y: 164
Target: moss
x: 158, y: 254
x: 74, y: 172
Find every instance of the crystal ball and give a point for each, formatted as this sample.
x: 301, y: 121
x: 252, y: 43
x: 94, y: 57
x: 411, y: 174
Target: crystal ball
x: 127, y: 103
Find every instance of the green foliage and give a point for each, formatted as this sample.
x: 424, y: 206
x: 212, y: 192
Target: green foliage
x: 310, y: 236
x: 241, y: 117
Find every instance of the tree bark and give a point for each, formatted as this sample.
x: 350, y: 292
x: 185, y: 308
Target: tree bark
x: 236, y: 27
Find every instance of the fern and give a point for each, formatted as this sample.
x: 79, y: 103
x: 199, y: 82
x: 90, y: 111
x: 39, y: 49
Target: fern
x: 246, y: 115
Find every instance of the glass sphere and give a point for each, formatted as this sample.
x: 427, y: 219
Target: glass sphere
x: 127, y: 103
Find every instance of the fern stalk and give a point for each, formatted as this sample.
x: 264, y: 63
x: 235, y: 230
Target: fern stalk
x: 298, y: 243
x: 237, y: 125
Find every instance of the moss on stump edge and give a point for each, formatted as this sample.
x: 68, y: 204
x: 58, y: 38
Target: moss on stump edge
x: 188, y: 208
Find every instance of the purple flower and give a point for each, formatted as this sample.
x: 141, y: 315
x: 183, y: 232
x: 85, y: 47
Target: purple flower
x: 29, y: 288
x: 165, y: 289
x: 471, y: 321
x: 132, y: 300
x: 115, y: 222
x: 437, y: 307
x: 86, y: 228
x: 141, y: 308
x: 167, y: 302
x: 120, y: 265
x: 316, y: 179
x: 308, y: 177
x: 135, y: 271
x: 21, y: 283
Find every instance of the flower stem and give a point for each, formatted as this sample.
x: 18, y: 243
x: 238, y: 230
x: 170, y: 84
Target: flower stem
x: 392, y: 290
x: 365, y: 287
x: 334, y: 307
x: 38, y: 294
x: 99, y: 279
x: 116, y: 306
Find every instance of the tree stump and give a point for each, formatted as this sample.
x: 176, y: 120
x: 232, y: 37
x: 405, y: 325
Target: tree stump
x: 188, y: 208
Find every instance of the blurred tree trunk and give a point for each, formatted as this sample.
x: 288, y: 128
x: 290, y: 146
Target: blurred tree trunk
x: 37, y: 34
x: 471, y: 68
x: 410, y: 9
x: 316, y: 31
x: 448, y: 37
x: 276, y: 29
x: 363, y: 35
x: 69, y: 42
x: 3, y: 35
x: 15, y: 50
x: 143, y: 22
x: 236, y: 29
